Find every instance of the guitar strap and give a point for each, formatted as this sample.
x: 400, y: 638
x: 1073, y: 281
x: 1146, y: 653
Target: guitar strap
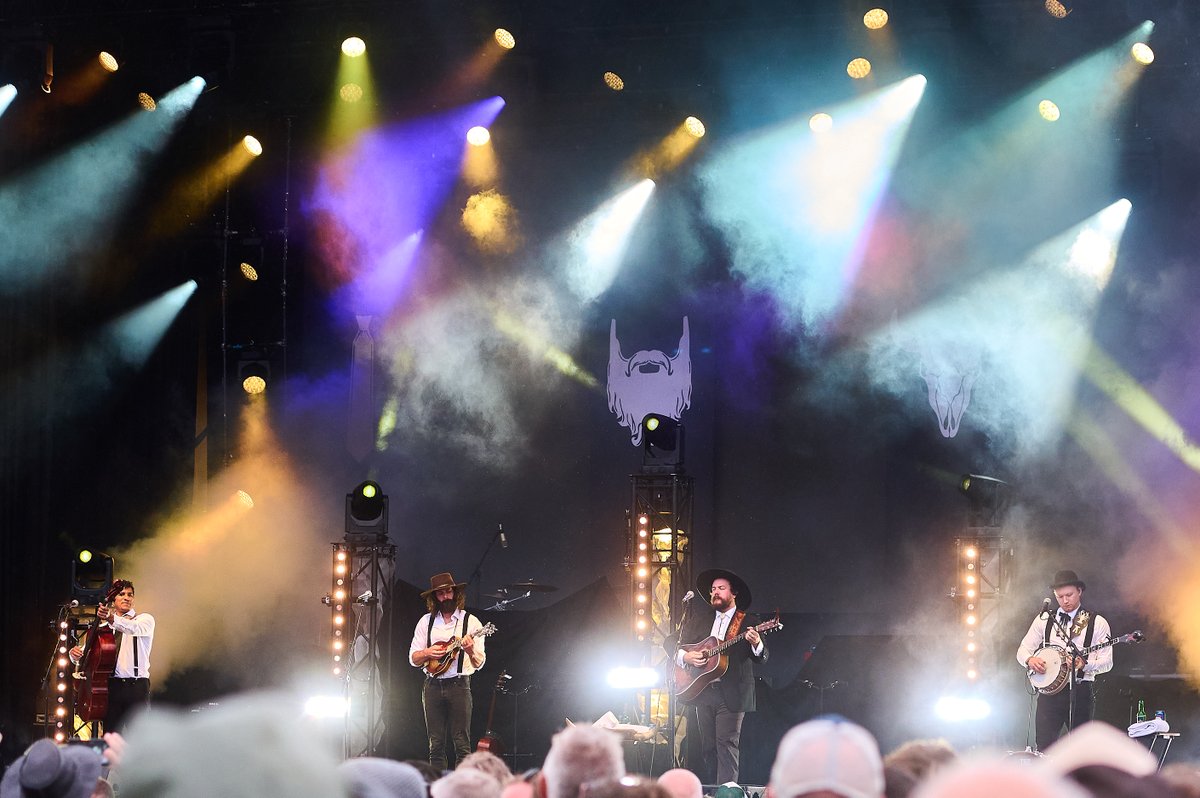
x: 461, y: 652
x: 735, y: 625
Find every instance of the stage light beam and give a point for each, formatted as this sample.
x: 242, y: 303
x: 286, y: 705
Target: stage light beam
x: 7, y: 93
x: 599, y: 241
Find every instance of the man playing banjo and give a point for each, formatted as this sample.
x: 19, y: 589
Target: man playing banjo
x: 1046, y: 653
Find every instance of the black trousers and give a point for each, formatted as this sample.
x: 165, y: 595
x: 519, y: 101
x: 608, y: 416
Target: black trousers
x: 720, y: 731
x: 126, y: 698
x: 447, y: 704
x: 1053, y: 712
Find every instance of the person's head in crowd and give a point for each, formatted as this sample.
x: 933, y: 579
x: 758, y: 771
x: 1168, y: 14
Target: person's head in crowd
x: 519, y: 788
x: 1096, y: 743
x: 730, y: 789
x: 489, y: 763
x: 681, y: 783
x: 578, y: 755
x: 624, y: 787
x: 250, y: 745
x: 375, y: 777
x: 49, y: 770
x: 996, y: 779
x: 921, y: 757
x: 828, y: 757
x: 427, y: 771
x: 1102, y: 781
x: 465, y: 783
x: 1184, y: 777
x: 898, y: 782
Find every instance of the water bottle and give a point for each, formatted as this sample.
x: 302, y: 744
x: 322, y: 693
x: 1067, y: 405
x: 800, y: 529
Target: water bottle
x: 1141, y: 713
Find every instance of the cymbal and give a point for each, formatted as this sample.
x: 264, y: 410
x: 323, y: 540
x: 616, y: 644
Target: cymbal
x: 499, y: 594
x: 531, y: 586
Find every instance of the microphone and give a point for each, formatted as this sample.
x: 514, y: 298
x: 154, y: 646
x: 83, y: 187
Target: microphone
x: 74, y: 603
x: 1045, y: 608
x: 503, y: 540
x: 365, y: 597
x: 691, y: 594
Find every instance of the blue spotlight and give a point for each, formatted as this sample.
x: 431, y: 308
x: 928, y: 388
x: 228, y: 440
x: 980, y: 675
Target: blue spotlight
x: 140, y: 330
x: 7, y: 93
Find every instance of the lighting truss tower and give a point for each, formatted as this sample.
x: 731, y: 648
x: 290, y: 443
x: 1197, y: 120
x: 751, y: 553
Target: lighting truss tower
x: 658, y: 559
x: 365, y: 572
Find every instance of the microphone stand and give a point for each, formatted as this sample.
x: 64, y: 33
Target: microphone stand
x: 1073, y: 650
x: 476, y: 575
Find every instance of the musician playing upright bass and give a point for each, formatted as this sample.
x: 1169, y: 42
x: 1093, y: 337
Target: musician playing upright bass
x: 1084, y: 629
x: 721, y: 705
x: 447, y: 696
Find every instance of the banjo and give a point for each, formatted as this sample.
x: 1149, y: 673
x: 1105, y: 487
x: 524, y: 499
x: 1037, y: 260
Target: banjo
x: 1058, y: 663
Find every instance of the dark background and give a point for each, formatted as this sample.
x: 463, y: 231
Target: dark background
x: 834, y: 496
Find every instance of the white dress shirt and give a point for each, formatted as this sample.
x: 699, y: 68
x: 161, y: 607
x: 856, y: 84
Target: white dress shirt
x: 1098, y: 661
x: 444, y: 630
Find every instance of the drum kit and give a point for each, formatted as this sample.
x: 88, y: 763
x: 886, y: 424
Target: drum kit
x: 508, y: 594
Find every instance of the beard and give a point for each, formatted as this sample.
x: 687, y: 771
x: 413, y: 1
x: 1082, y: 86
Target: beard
x: 448, y: 606
x: 720, y: 603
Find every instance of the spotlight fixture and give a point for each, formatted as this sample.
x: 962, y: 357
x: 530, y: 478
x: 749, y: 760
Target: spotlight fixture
x: 245, y: 499
x: 91, y: 576
x: 109, y: 62
x: 252, y: 146
x: 146, y: 101
x: 350, y: 92
x: 662, y: 444
x: 1049, y: 111
x: 694, y: 126
x: 859, y: 68
x: 819, y: 123
x: 1058, y: 9
x: 353, y: 47
x: 614, y: 81
x: 987, y: 499
x: 254, y: 375
x: 367, y: 514
x: 248, y: 271
x: 875, y: 19
x: 1142, y: 53
x: 505, y: 39
x: 478, y: 136
x: 48, y: 75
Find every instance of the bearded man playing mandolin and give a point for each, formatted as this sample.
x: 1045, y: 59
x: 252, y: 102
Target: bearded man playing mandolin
x: 449, y: 644
x: 1045, y: 645
x: 719, y: 684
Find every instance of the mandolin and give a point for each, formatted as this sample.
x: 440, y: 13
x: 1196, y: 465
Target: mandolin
x: 436, y: 667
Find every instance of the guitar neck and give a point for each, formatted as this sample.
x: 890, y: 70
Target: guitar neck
x: 762, y: 627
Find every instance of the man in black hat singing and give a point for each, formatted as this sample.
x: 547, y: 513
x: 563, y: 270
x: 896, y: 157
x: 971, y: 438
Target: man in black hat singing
x: 447, y: 695
x: 720, y: 705
x: 1085, y: 629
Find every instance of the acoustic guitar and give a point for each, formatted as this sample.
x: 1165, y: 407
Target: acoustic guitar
x: 436, y: 667
x: 690, y: 680
x: 491, y: 741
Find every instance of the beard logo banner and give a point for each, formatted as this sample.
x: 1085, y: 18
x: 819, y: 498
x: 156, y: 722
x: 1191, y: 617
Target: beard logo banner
x: 648, y: 382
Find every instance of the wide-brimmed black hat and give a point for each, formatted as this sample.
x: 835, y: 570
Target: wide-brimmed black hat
x: 740, y: 588
x: 1064, y: 578
x: 442, y: 581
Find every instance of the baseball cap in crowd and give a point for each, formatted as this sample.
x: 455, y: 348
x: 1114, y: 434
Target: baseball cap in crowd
x: 375, y: 777
x: 829, y: 753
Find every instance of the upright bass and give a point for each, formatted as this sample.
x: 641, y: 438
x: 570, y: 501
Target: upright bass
x: 97, y: 664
